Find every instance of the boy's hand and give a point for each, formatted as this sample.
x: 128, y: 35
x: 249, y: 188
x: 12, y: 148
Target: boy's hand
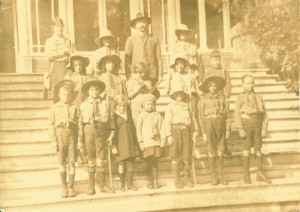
x: 195, y: 134
x: 79, y: 145
x: 114, y: 151
x: 204, y: 137
x: 159, y: 80
x: 170, y: 140
x: 142, y: 146
x: 263, y: 133
x: 242, y: 133
x: 55, y: 145
x: 110, y: 138
x: 227, y: 134
x: 162, y: 144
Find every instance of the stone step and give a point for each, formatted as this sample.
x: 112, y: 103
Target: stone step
x: 33, y: 85
x: 249, y: 70
x: 14, y: 146
x: 40, y: 121
x: 21, y: 94
x: 280, y: 196
x: 233, y: 174
x: 25, y: 103
x: 23, y: 133
x: 23, y: 173
x: 6, y: 78
x: 25, y: 113
x: 26, y: 158
x: 262, y: 88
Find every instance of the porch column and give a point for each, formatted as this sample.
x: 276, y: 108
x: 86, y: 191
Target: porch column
x: 226, y: 26
x: 23, y: 62
x: 173, y: 22
x: 135, y: 7
x: 202, y: 26
x: 63, y: 14
x: 102, y: 15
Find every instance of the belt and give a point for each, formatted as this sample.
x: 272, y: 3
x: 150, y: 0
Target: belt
x: 96, y: 124
x: 64, y: 127
x: 255, y: 115
x: 181, y: 126
x: 210, y: 116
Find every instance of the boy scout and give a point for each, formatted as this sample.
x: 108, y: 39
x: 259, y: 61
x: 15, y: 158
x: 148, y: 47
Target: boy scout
x: 65, y: 123
x: 95, y: 117
x: 251, y: 121
x: 215, y: 125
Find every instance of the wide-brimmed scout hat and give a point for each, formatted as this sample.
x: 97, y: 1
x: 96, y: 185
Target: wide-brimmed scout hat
x: 120, y: 99
x: 139, y: 16
x: 220, y: 83
x: 148, y: 97
x: 93, y: 82
x: 215, y: 53
x: 179, y: 57
x: 183, y: 28
x: 105, y: 34
x: 86, y: 60
x: 113, y: 57
x: 59, y: 84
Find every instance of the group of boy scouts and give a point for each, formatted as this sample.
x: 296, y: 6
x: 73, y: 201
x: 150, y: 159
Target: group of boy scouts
x: 102, y: 112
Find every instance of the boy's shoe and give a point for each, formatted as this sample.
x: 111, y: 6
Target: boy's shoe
x: 64, y: 192
x: 222, y: 180
x: 227, y: 153
x: 132, y: 187
x: 261, y: 177
x: 179, y: 185
x: 90, y: 191
x: 106, y: 189
x: 71, y: 192
x: 247, y: 179
x: 155, y: 184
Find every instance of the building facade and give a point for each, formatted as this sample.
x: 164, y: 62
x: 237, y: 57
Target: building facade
x: 26, y: 26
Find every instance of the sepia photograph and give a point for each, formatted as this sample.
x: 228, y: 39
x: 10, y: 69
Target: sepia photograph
x: 149, y: 105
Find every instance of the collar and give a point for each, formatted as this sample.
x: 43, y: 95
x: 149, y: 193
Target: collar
x: 91, y: 100
x: 125, y: 115
x: 141, y: 35
x: 211, y: 96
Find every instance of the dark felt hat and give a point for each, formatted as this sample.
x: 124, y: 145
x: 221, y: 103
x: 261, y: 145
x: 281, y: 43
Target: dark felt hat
x: 220, y: 83
x: 86, y: 60
x: 93, y: 82
x: 215, y: 53
x: 139, y: 16
x: 113, y: 57
x: 179, y: 57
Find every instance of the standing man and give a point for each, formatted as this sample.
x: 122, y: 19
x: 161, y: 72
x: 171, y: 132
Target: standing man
x: 142, y: 47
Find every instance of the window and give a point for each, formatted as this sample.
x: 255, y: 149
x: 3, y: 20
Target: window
x: 86, y: 24
x: 118, y: 20
x: 155, y: 9
x: 189, y: 16
x: 214, y: 25
x: 41, y: 17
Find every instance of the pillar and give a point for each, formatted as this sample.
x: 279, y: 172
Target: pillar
x: 226, y: 26
x: 202, y: 26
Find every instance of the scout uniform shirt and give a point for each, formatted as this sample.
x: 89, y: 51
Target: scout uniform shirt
x: 65, y: 116
x: 94, y: 112
x: 247, y: 104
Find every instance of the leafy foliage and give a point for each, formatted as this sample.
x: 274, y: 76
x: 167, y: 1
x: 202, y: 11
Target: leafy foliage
x: 274, y: 26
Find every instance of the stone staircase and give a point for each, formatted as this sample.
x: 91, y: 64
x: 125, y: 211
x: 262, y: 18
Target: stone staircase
x: 29, y: 179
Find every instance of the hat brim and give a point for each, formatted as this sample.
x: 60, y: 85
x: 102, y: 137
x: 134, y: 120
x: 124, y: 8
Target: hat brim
x: 188, y: 31
x: 61, y: 83
x: 115, y: 58
x: 179, y: 58
x: 96, y: 83
x: 220, y: 83
x: 176, y: 92
x: 98, y: 40
x: 86, y: 61
x: 133, y: 21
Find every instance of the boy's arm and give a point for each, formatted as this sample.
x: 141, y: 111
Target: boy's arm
x: 201, y: 115
x: 265, y: 120
x: 51, y: 128
x: 162, y: 130
x: 80, y: 125
x: 159, y: 61
x: 237, y: 114
x: 128, y: 56
x: 228, y: 85
x: 168, y: 120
